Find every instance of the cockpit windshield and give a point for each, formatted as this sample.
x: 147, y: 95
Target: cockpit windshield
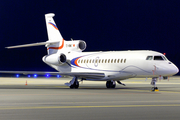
x: 158, y: 57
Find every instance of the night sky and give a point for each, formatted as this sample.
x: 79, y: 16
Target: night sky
x: 104, y: 24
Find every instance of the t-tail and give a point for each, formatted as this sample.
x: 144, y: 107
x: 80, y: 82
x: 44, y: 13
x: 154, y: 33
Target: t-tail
x: 55, y: 40
x: 56, y: 43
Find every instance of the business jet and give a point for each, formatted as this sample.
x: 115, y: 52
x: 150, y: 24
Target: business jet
x: 68, y: 58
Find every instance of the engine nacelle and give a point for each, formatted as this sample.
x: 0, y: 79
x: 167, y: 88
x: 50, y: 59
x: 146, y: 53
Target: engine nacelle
x: 76, y: 45
x: 55, y: 59
x: 82, y: 45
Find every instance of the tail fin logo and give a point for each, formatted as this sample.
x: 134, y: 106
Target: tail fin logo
x: 53, y: 25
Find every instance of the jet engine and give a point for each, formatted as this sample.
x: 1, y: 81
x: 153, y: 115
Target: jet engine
x: 55, y: 59
x: 76, y: 45
x: 82, y: 45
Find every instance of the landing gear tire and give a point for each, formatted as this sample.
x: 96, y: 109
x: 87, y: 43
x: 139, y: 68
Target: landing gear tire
x: 75, y: 85
x: 110, y: 84
x: 154, y: 89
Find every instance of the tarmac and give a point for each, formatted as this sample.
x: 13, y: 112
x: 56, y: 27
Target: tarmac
x: 49, y: 98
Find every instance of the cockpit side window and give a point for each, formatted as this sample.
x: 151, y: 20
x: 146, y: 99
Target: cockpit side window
x: 149, y: 58
x: 158, y: 58
x: 164, y: 58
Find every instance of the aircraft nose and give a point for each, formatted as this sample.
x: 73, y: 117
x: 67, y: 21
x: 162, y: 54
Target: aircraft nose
x: 168, y: 69
x: 174, y: 69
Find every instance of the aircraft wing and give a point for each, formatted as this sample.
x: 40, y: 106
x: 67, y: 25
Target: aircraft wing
x: 84, y: 75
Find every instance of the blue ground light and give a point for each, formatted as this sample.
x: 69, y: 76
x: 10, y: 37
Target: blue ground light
x: 58, y: 76
x: 35, y: 75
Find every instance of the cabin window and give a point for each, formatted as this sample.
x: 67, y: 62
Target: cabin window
x: 158, y: 58
x: 121, y: 60
x: 114, y: 60
x: 102, y: 60
x: 78, y: 61
x: 99, y: 60
x: 81, y: 61
x: 124, y: 60
x: 111, y: 60
x: 149, y: 58
x: 105, y: 60
x: 87, y: 60
x: 90, y: 61
x: 118, y: 61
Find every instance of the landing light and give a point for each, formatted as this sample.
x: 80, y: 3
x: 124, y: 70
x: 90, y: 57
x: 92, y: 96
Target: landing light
x: 17, y: 75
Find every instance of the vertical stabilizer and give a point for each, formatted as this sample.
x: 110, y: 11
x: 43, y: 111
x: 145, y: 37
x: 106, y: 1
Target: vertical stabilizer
x: 53, y: 34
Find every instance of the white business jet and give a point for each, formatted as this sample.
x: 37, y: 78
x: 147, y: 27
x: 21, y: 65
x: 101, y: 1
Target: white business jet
x: 112, y: 66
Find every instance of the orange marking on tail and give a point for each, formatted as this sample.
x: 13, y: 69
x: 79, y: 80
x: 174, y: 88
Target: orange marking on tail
x: 53, y: 26
x: 60, y: 47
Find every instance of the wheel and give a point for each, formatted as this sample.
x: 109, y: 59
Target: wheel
x: 113, y: 86
x: 75, y: 85
x: 153, y: 89
x: 72, y: 86
x: 110, y: 84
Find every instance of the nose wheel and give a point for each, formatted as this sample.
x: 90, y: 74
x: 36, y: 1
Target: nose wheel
x: 154, y: 89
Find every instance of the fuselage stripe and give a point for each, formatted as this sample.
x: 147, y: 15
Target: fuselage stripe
x: 74, y: 61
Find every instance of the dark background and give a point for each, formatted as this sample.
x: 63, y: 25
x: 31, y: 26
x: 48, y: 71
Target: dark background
x: 104, y: 25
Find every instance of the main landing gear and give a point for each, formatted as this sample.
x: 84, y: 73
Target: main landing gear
x: 112, y: 84
x: 153, y: 82
x: 73, y: 83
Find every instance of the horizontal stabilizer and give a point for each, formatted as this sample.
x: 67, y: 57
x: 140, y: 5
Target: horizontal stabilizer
x: 33, y: 44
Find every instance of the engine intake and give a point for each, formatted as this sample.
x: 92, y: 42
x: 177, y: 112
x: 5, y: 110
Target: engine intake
x: 62, y: 58
x: 82, y: 45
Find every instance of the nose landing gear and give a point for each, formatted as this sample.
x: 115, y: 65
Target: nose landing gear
x: 153, y: 82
